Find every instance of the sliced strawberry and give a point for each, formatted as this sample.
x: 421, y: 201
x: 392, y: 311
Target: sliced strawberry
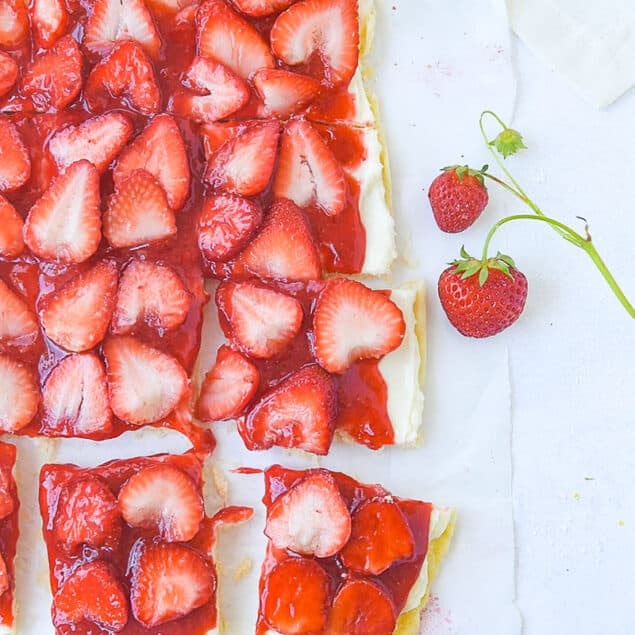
x: 311, y: 518
x: 5, y: 580
x: 93, y: 593
x: 19, y: 397
x: 263, y: 322
x: 113, y: 20
x: 164, y: 499
x: 89, y: 299
x: 8, y: 73
x: 54, y: 78
x: 171, y: 6
x: 296, y: 597
x: 7, y: 501
x: 168, y: 581
x: 11, y: 224
x: 244, y: 164
x: 18, y: 324
x: 221, y: 92
x: 126, y: 76
x: 361, y: 607
x: 144, y: 384
x: 64, y: 225
x: 75, y: 397
x: 380, y: 536
x: 15, y: 166
x: 228, y: 387
x: 308, y: 171
x: 160, y: 150
x: 14, y: 23
x: 353, y: 322
x: 284, y: 93
x: 98, y: 140
x: 87, y: 514
x: 152, y: 293
x: 48, y: 20
x: 325, y: 28
x: 138, y: 212
x: 298, y: 413
x: 283, y: 248
x: 225, y: 36
x: 259, y: 8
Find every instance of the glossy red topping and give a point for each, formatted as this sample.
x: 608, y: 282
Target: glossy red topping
x: 15, y: 168
x: 9, y: 71
x: 9, y: 507
x: 11, y: 224
x: 18, y: 324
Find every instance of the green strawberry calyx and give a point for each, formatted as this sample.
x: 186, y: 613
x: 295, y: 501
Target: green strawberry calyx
x: 462, y: 170
x: 508, y: 142
x: 468, y: 266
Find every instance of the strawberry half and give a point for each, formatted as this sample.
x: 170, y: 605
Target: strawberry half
x: 228, y: 386
x: 169, y: 581
x: 125, y: 77
x: 164, y: 499
x: 113, y: 20
x: 14, y: 23
x: 298, y: 413
x: 98, y: 140
x: 92, y: 593
x: 380, y: 536
x: 259, y: 8
x: 11, y: 224
x: 15, y: 167
x: 152, y: 293
x: 8, y: 73
x: 352, y: 322
x: 225, y: 36
x: 244, y: 164
x: 160, y: 150
x: 311, y: 518
x: 283, y: 249
x: 263, y: 322
x: 64, y: 225
x: 144, y: 384
x: 87, y: 514
x: 54, y: 78
x: 138, y: 212
x: 19, y: 397
x: 48, y: 21
x: 308, y: 171
x: 89, y: 299
x: 18, y: 324
x: 328, y: 29
x: 75, y: 397
x: 284, y: 93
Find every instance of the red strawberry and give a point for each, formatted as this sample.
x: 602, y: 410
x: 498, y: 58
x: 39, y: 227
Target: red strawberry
x: 18, y: 324
x: 54, y: 78
x: 298, y: 413
x: 380, y: 536
x: 296, y: 597
x: 244, y: 164
x: 113, y: 20
x: 160, y: 150
x: 14, y: 23
x: 171, y: 6
x: 482, y: 298
x: 325, y: 28
x: 87, y: 514
x: 284, y: 93
x: 125, y: 76
x: 138, y: 212
x: 311, y: 518
x: 225, y: 36
x: 5, y: 579
x: 93, y: 593
x: 19, y: 397
x: 48, y: 20
x: 144, y: 384
x: 228, y: 387
x: 283, y: 248
x: 169, y: 581
x: 361, y: 607
x: 98, y: 140
x: 8, y: 73
x: 164, y: 499
x: 89, y: 299
x: 308, y: 172
x: 7, y: 500
x: 353, y: 322
x: 11, y: 224
x: 458, y: 196
x: 226, y: 224
x: 263, y: 322
x: 64, y: 225
x: 259, y: 8
x: 75, y: 397
x: 15, y: 166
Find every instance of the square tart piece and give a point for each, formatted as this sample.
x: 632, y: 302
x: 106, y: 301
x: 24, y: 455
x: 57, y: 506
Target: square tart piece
x: 344, y: 558
x: 9, y: 531
x: 305, y: 361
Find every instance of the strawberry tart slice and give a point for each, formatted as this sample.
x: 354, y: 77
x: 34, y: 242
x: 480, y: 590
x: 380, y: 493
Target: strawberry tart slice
x: 9, y: 531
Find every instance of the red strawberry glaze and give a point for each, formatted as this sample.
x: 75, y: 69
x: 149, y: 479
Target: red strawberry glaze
x: 9, y: 531
x: 397, y: 580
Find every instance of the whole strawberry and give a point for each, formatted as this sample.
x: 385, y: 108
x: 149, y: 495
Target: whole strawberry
x: 458, y: 196
x: 482, y: 298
